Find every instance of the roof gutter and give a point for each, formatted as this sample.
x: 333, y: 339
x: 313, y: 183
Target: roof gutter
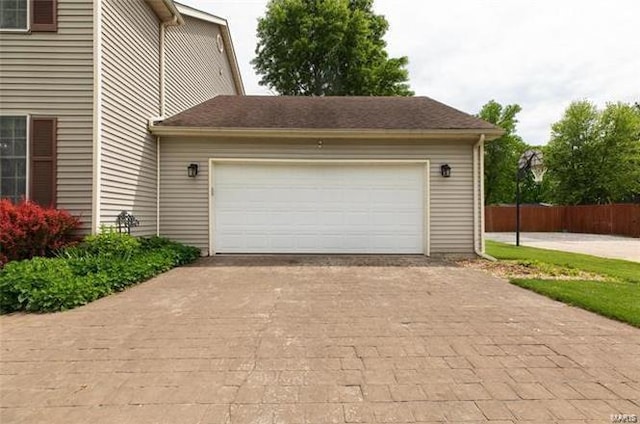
x: 177, y: 18
x: 368, y: 134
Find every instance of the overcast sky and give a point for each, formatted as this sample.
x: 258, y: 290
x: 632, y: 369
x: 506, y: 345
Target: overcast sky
x: 541, y: 54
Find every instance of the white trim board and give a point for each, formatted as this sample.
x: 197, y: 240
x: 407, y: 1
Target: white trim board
x: 97, y: 116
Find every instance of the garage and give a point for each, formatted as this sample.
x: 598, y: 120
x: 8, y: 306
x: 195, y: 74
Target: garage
x: 351, y: 207
x: 323, y: 175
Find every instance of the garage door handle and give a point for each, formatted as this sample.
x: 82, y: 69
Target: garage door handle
x: 211, y: 191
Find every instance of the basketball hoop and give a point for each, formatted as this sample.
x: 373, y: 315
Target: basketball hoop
x: 532, y: 160
x: 538, y: 174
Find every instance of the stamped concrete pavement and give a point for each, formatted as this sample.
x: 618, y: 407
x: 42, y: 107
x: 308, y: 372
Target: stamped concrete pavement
x: 319, y: 340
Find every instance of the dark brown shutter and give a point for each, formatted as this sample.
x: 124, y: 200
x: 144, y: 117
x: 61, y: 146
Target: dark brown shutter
x: 44, y: 15
x: 42, y: 151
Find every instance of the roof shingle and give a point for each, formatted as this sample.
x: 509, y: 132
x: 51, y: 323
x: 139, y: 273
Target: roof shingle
x: 342, y: 113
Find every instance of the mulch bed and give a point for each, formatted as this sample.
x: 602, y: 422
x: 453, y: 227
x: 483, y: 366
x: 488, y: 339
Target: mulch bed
x: 515, y: 269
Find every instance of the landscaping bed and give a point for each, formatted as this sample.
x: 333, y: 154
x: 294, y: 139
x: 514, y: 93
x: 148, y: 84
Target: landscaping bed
x: 80, y: 274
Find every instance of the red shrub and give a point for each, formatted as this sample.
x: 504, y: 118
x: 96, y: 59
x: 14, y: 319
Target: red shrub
x: 28, y: 230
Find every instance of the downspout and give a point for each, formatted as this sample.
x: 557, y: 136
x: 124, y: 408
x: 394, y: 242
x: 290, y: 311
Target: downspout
x: 478, y: 199
x: 481, y: 202
x: 161, y: 70
x: 157, y: 185
x: 163, y: 29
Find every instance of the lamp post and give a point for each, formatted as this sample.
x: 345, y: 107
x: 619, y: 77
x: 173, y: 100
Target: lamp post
x: 531, y: 160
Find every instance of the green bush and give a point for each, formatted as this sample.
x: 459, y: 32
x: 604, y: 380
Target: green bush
x: 111, y: 243
x: 101, y: 265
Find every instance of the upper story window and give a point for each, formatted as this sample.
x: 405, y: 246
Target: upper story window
x: 28, y: 15
x: 13, y: 14
x: 13, y: 157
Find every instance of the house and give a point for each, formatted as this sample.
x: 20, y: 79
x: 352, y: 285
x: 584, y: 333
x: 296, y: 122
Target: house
x: 138, y: 105
x: 79, y: 81
x: 323, y: 175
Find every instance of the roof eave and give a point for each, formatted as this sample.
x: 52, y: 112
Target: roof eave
x: 369, y: 134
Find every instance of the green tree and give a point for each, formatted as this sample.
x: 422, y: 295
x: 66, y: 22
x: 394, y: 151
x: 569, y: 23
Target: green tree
x: 327, y: 48
x: 594, y: 155
x: 501, y: 155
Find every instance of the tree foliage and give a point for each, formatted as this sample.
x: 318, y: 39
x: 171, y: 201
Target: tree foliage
x: 327, y: 47
x: 501, y: 155
x: 594, y: 155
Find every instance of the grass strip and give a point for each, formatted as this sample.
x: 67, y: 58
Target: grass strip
x: 617, y: 299
x: 616, y: 268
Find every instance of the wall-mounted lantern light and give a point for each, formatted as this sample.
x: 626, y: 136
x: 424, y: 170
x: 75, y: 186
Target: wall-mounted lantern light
x: 445, y: 170
x: 192, y: 170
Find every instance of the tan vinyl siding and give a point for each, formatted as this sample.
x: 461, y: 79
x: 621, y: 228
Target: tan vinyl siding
x: 51, y: 74
x: 195, y: 70
x: 184, y: 207
x: 130, y: 49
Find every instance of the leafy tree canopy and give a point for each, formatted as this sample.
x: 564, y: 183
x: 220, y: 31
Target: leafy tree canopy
x: 327, y: 47
x: 594, y: 155
x: 501, y: 155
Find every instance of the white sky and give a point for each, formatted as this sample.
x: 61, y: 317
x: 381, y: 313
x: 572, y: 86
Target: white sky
x: 541, y: 54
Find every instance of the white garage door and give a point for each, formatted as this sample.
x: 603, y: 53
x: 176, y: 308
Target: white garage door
x: 318, y: 208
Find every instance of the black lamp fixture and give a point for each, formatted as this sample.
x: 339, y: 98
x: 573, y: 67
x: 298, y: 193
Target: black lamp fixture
x: 192, y: 170
x: 445, y: 170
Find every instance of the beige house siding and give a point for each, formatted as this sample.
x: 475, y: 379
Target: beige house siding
x: 130, y: 96
x: 184, y: 202
x: 51, y: 74
x: 195, y: 70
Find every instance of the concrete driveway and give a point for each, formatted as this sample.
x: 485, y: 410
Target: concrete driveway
x: 319, y: 340
x: 605, y: 246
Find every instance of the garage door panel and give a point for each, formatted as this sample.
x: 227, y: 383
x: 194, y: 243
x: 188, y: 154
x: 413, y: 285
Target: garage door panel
x: 328, y: 208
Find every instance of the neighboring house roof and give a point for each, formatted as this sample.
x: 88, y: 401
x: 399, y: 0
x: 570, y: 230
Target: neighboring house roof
x: 392, y: 114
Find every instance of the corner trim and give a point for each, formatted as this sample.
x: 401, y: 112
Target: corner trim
x: 97, y: 116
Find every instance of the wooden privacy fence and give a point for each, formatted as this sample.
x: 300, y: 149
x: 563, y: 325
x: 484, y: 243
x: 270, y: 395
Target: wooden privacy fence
x: 618, y: 219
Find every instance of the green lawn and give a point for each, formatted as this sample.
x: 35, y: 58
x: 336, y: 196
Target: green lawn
x: 618, y: 299
x: 615, y: 268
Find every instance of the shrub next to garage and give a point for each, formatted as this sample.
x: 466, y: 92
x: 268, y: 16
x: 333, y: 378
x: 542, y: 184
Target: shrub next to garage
x: 28, y: 230
x: 103, y: 264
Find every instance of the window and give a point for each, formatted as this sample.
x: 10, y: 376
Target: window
x: 32, y: 150
x: 13, y: 157
x: 25, y: 15
x: 13, y: 14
